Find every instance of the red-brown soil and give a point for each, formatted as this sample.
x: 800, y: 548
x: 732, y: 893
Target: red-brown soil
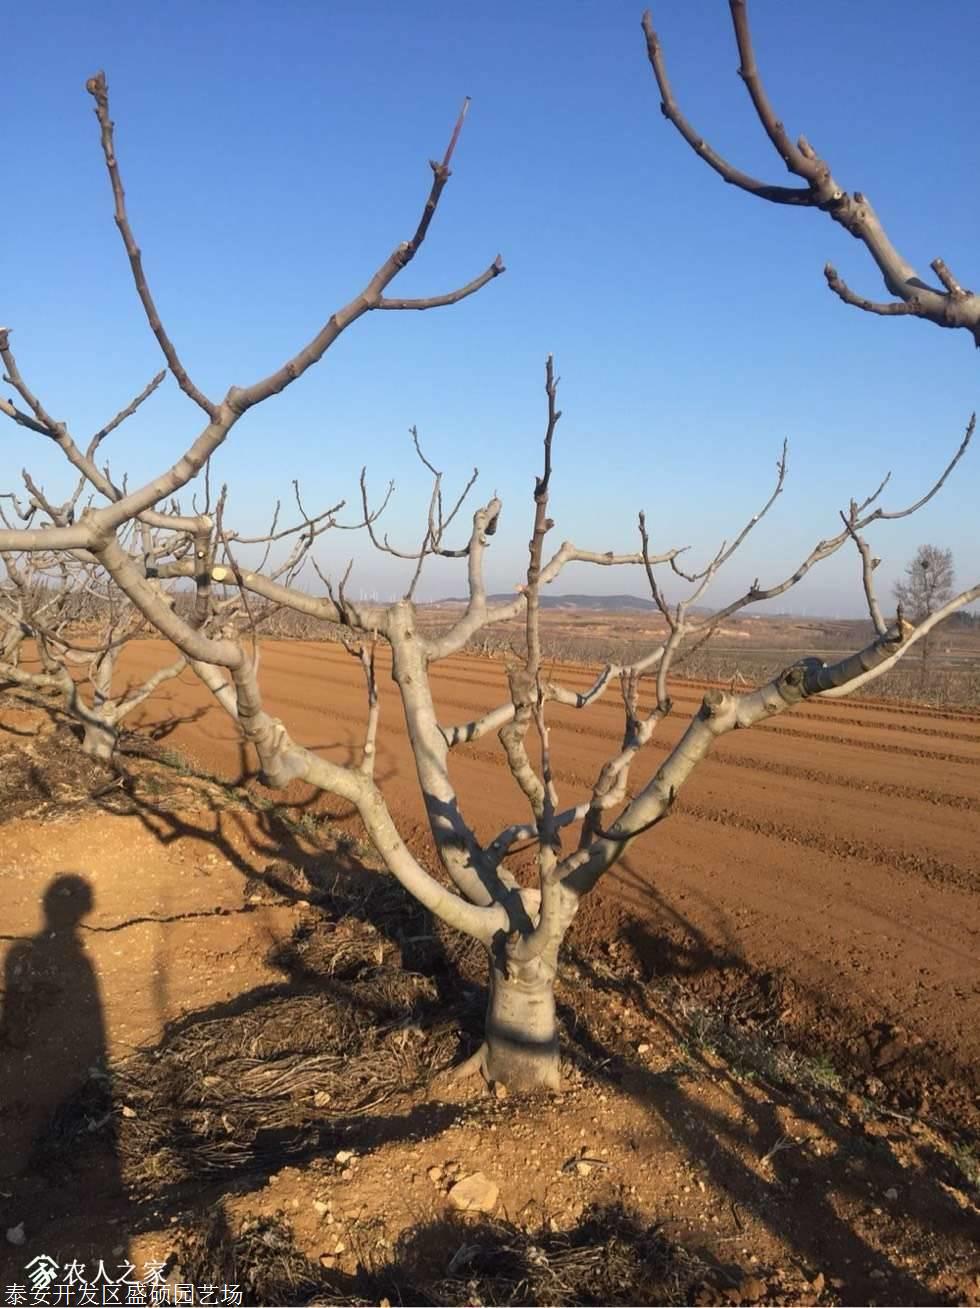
x: 771, y: 1011
x: 837, y: 848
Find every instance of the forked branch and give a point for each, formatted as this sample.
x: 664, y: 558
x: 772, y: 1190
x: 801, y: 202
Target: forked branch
x: 951, y: 306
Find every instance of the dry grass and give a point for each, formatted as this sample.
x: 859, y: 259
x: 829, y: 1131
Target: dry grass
x: 279, y: 1073
x: 610, y: 1257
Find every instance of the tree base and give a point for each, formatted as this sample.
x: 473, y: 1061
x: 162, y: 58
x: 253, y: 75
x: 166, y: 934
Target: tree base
x: 99, y: 742
x: 523, y: 1069
x: 521, y: 1049
x: 512, y: 1069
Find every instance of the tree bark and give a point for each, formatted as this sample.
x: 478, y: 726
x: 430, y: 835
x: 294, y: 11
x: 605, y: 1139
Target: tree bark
x: 99, y: 739
x: 522, y: 1026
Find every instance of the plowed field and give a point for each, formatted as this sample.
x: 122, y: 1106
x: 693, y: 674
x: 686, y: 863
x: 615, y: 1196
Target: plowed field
x: 836, y: 850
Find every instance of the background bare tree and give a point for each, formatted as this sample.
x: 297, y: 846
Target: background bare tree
x: 77, y: 621
x: 926, y: 587
x: 78, y: 625
x: 946, y: 305
x: 141, y: 540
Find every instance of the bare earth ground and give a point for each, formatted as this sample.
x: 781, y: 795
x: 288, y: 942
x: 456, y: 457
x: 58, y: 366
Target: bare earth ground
x: 756, y: 645
x: 771, y: 1013
x: 838, y: 847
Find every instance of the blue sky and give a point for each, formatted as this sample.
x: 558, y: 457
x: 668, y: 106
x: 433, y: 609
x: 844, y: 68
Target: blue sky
x: 274, y: 154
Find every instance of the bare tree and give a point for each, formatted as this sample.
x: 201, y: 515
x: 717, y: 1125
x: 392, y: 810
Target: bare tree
x: 141, y: 540
x: 947, y: 305
x: 78, y: 625
x: 66, y: 606
x: 928, y: 582
x: 926, y: 587
x: 31, y: 603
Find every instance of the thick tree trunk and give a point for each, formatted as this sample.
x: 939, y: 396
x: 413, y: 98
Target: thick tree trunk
x: 522, y: 1027
x: 99, y: 740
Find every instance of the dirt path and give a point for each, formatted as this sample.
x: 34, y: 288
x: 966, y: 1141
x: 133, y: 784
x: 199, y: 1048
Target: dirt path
x: 838, y: 847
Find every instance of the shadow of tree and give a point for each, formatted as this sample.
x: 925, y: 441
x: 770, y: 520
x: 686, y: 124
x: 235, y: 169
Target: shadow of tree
x: 279, y: 851
x: 903, y: 1066
x: 157, y: 729
x: 369, y: 1010
x: 608, y: 1257
x: 829, y: 1185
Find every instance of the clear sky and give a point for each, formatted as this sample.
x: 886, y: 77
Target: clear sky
x: 274, y: 153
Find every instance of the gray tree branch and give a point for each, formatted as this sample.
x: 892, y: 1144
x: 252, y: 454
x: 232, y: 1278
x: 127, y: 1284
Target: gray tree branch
x: 951, y: 307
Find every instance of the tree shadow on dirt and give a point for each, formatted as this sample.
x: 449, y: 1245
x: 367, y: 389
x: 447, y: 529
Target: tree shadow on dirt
x: 285, y: 855
x: 23, y: 733
x: 684, y: 952
x: 335, y: 1055
x: 59, y: 718
x: 158, y: 729
x: 49, y: 775
x: 282, y: 833
x: 891, y: 1058
x: 786, y: 1149
x: 608, y: 1257
x: 370, y: 1006
x: 678, y: 947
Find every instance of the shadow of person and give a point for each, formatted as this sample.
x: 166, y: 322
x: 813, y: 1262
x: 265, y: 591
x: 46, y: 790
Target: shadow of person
x: 56, y: 1113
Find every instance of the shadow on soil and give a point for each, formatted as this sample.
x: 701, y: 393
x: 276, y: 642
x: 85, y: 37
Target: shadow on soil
x: 607, y: 1258
x: 789, y: 1154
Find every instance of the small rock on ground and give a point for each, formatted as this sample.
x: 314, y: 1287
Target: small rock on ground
x: 474, y: 1194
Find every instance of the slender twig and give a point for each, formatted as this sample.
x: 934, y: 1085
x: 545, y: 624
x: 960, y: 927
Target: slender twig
x: 98, y: 88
